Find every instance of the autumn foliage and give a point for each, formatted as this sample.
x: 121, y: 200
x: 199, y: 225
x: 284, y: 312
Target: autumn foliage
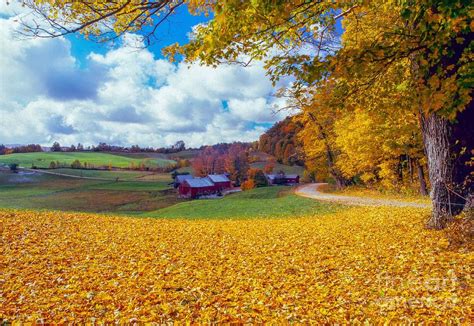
x: 248, y: 184
x: 359, y: 265
x: 282, y: 142
x: 223, y: 158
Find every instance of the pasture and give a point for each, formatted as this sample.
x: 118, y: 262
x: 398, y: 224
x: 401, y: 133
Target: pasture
x: 143, y: 194
x: 96, y: 159
x: 256, y: 203
x: 28, y: 190
x: 103, y: 174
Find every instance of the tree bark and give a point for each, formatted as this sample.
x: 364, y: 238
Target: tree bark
x: 448, y: 147
x: 400, y: 169
x: 436, y: 139
x: 341, y: 181
x: 421, y: 178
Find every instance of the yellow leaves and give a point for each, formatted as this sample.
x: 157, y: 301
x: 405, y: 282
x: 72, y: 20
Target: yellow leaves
x: 361, y: 264
x: 434, y: 82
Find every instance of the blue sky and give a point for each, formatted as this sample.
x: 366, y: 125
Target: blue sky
x: 72, y: 90
x: 175, y: 29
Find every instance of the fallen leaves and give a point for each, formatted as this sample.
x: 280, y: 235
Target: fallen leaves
x: 361, y: 264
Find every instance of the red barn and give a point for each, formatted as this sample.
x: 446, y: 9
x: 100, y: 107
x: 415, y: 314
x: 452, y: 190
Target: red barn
x: 221, y: 181
x: 283, y: 179
x: 292, y: 178
x: 180, y: 178
x: 196, y: 187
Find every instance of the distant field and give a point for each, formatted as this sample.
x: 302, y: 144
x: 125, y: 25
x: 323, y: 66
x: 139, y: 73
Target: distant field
x: 132, y: 186
x: 187, y: 169
x: 112, y: 175
x: 256, y: 203
x: 295, y: 169
x: 97, y: 159
x: 43, y: 191
x: 186, y: 154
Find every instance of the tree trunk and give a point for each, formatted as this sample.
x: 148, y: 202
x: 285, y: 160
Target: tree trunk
x: 400, y: 169
x: 341, y: 181
x: 448, y: 146
x: 421, y: 178
x: 410, y: 167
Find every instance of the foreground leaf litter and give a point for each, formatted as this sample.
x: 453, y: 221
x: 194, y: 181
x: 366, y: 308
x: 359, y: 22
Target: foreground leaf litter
x: 375, y: 264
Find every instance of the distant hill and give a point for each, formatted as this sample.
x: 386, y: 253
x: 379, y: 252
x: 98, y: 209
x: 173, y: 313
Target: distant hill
x: 281, y: 142
x: 88, y: 159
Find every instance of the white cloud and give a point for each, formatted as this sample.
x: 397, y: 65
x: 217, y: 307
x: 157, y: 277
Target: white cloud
x: 125, y: 96
x: 11, y: 7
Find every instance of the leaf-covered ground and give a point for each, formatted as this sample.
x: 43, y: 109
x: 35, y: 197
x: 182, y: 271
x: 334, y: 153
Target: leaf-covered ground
x: 375, y: 264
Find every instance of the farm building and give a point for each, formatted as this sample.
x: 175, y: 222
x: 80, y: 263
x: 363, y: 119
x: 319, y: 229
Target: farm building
x: 221, y: 181
x: 180, y: 178
x: 195, y: 187
x: 282, y: 179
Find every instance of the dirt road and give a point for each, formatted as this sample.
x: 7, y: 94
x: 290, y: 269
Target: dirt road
x: 312, y: 191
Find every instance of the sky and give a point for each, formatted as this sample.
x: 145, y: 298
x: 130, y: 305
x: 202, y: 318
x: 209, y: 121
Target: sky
x: 73, y: 91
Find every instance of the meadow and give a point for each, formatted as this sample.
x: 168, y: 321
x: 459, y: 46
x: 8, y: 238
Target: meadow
x: 104, y: 174
x: 143, y: 194
x: 130, y: 195
x: 255, y: 203
x: 97, y: 159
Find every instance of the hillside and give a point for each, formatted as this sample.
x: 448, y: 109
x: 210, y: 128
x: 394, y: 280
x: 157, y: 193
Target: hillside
x: 96, y: 159
x: 357, y: 265
x: 281, y: 142
x: 135, y: 192
x: 255, y: 203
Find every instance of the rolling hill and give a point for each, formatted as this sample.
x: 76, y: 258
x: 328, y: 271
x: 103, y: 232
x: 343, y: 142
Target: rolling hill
x: 96, y: 159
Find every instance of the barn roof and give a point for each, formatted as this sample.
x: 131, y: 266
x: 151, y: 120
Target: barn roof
x: 181, y: 177
x: 218, y: 178
x: 286, y: 176
x: 291, y: 176
x: 199, y: 182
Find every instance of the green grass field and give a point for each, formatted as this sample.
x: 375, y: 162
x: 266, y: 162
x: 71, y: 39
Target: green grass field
x: 152, y: 198
x: 97, y: 159
x: 256, y: 203
x: 132, y: 186
x: 44, y: 191
x: 112, y: 175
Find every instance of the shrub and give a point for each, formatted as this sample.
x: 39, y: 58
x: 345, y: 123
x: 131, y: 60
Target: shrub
x: 247, y: 185
x: 76, y: 164
x: 258, y: 177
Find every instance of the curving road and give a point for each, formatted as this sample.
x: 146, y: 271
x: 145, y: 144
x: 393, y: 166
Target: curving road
x: 312, y: 191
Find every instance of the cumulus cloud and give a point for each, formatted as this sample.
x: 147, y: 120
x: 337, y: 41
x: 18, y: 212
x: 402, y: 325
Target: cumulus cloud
x: 125, y: 96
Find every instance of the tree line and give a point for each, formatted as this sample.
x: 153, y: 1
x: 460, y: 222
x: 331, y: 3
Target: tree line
x: 179, y: 146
